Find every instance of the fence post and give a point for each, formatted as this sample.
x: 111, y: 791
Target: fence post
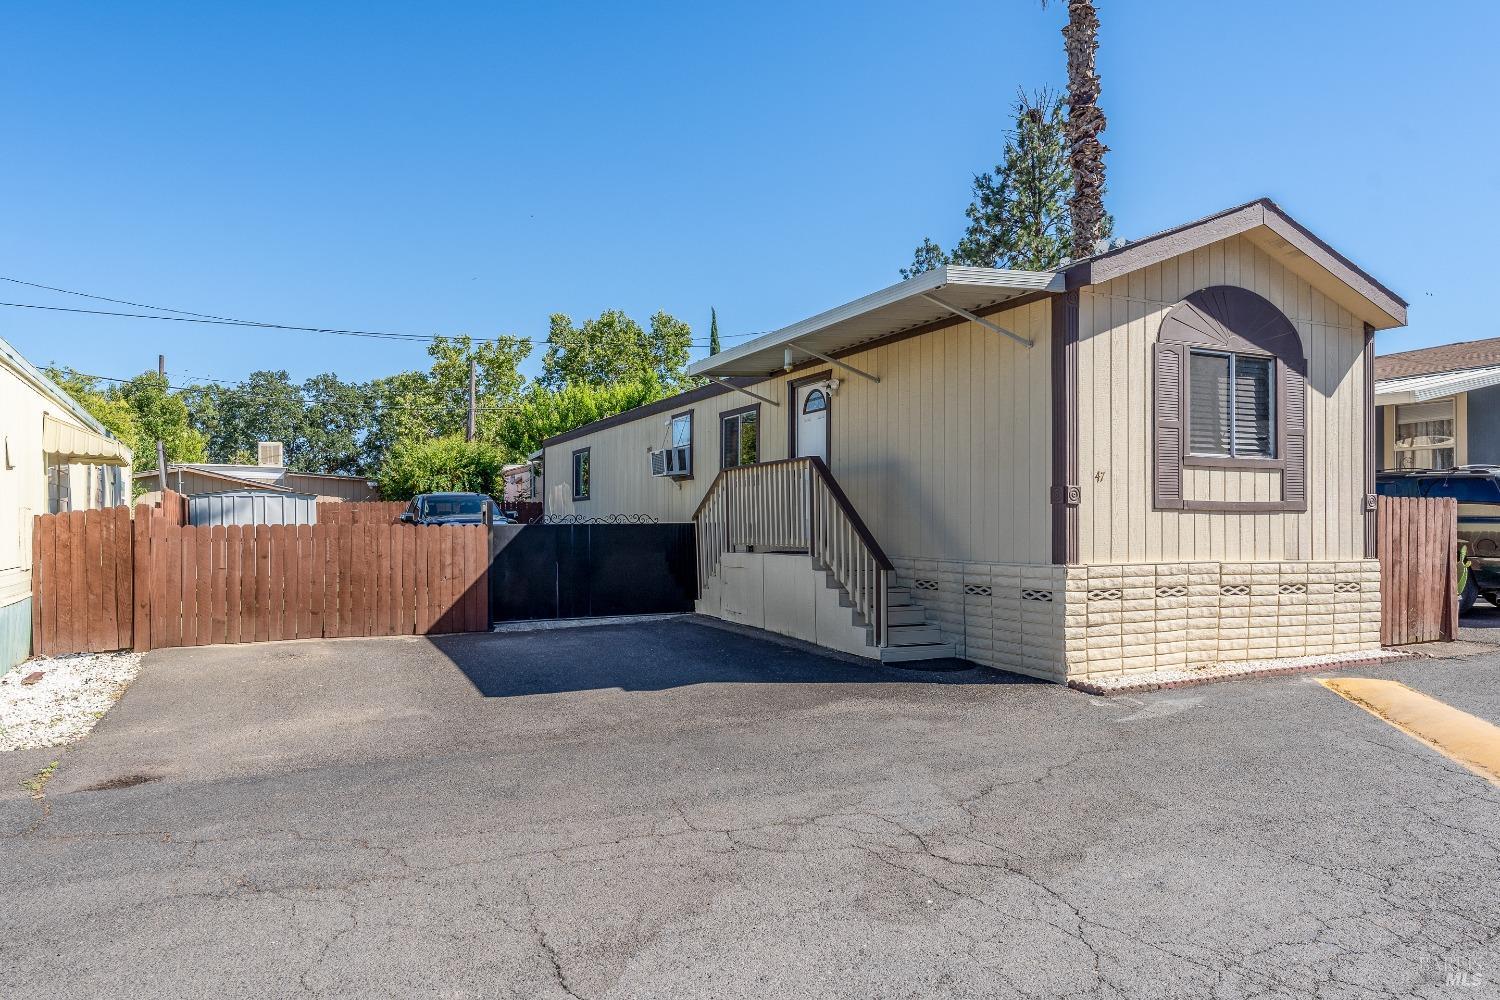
x: 141, y: 576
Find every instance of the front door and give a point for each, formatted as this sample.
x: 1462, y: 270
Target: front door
x: 812, y: 420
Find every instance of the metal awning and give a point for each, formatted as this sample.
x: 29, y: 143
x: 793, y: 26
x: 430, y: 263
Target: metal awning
x: 1420, y: 388
x: 949, y: 292
x: 65, y: 442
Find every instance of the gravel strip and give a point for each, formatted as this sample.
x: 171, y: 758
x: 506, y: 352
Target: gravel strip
x: 73, y: 693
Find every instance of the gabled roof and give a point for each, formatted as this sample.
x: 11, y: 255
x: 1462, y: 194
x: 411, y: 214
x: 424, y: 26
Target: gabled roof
x: 1265, y: 224
x: 1442, y: 358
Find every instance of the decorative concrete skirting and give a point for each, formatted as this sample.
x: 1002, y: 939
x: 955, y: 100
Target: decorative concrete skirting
x: 1161, y: 680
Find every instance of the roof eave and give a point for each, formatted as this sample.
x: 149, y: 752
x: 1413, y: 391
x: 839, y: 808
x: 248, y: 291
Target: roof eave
x: 733, y: 362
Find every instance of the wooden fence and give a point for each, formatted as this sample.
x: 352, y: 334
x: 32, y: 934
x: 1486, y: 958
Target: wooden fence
x: 102, y: 581
x: 361, y: 512
x: 1418, y: 570
x: 83, y: 582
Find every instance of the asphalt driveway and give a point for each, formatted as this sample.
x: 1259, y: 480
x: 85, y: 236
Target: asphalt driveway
x: 676, y: 810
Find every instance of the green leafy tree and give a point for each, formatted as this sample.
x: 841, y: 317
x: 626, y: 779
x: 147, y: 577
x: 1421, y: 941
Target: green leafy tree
x: 266, y: 406
x: 713, y: 331
x: 542, y: 412
x: 162, y: 416
x: 336, y: 415
x: 437, y: 465
x: 104, y: 406
x: 401, y: 405
x: 614, y: 348
x: 498, y: 375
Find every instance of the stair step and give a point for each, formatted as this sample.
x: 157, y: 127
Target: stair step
x: 908, y: 614
x: 928, y: 651
x: 912, y: 635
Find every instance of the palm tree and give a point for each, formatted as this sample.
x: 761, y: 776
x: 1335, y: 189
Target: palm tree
x: 1085, y: 122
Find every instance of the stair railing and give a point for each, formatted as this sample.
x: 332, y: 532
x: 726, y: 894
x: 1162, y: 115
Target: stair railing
x: 794, y: 505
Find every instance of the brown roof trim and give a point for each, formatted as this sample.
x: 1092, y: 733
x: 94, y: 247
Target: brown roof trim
x: 1222, y: 225
x: 697, y: 395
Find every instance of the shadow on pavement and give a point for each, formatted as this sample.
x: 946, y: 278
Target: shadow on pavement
x: 659, y: 655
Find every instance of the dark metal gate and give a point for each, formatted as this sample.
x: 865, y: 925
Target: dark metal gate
x: 590, y: 570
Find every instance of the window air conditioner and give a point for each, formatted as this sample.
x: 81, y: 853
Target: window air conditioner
x: 672, y: 463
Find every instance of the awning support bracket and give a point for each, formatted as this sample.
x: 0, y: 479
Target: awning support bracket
x: 835, y: 361
x: 977, y: 319
x: 730, y: 385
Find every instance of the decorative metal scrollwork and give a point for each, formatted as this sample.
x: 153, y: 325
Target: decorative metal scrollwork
x: 599, y: 519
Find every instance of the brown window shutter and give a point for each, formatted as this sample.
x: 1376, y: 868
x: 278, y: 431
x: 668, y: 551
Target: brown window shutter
x: 1169, y: 364
x: 1294, y: 444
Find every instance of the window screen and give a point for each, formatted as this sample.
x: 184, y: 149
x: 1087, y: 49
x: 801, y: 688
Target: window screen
x: 741, y: 445
x: 581, y: 474
x: 1230, y: 405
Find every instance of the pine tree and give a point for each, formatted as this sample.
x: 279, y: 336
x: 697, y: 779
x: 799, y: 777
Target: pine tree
x: 1019, y: 216
x: 713, y: 331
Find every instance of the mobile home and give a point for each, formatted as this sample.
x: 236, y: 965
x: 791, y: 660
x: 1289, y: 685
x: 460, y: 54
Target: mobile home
x: 1159, y: 457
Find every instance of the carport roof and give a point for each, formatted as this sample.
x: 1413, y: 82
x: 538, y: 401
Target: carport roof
x: 1436, y: 385
x: 914, y: 303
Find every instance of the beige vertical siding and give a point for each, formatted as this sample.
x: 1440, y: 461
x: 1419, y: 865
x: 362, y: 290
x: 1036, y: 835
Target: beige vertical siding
x: 949, y: 457
x: 1118, y: 321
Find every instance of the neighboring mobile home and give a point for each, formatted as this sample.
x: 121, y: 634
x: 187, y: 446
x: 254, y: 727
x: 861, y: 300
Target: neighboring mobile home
x: 1158, y: 457
x: 270, y: 474
x: 1439, y: 407
x: 54, y: 457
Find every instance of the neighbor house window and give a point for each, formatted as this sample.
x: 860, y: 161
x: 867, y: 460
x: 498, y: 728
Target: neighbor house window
x: 1425, y: 435
x: 741, y: 437
x: 1231, y: 398
x: 581, y: 474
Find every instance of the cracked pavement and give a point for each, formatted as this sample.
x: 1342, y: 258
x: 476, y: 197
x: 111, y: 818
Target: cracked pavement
x: 675, y: 810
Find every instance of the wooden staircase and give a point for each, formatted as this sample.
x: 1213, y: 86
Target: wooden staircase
x: 908, y: 635
x: 796, y: 506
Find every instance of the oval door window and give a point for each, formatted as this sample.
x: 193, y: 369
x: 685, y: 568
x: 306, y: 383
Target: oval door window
x: 815, y: 401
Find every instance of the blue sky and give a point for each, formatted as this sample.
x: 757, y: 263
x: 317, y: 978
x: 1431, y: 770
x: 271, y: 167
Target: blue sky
x: 478, y: 167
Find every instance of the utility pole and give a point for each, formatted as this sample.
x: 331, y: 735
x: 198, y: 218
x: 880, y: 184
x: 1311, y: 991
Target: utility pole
x: 473, y: 428
x: 161, y: 449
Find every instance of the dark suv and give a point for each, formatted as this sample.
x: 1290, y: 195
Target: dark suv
x: 453, y: 508
x: 1477, y: 490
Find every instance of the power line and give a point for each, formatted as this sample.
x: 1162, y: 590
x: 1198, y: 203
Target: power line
x: 188, y: 316
x: 233, y: 322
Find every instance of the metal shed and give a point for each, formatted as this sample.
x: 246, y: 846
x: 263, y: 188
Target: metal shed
x: 246, y: 507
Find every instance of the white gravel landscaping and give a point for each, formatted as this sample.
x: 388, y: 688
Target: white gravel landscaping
x: 73, y: 693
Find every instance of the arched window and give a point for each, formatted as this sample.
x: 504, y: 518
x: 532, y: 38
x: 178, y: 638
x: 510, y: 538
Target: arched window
x: 816, y: 400
x: 1230, y: 392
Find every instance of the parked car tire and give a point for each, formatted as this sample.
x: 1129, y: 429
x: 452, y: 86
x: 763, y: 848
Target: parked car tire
x: 1491, y: 596
x: 1468, y: 597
